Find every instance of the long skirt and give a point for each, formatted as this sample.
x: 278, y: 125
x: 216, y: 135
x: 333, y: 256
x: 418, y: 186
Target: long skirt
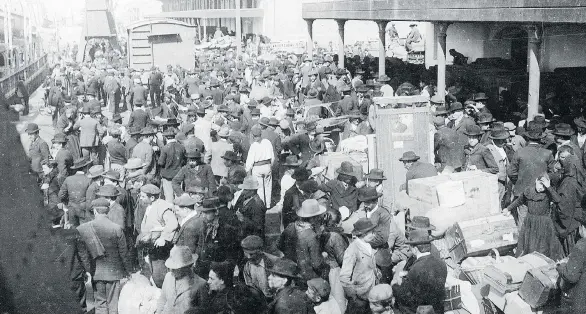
x: 73, y: 146
x: 539, y: 235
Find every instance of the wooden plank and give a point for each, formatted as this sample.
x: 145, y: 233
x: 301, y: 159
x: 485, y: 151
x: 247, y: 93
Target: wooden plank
x: 547, y: 11
x: 399, y: 100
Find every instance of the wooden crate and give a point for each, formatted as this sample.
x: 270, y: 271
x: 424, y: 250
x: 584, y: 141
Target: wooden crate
x: 390, y: 144
x: 539, y: 286
x: 479, y: 236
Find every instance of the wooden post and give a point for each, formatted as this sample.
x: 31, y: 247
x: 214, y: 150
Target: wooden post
x: 381, y: 47
x: 309, y: 38
x: 441, y: 58
x: 534, y: 33
x: 341, y: 52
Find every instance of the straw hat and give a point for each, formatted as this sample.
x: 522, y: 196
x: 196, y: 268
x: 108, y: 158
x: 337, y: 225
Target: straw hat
x: 250, y: 183
x: 310, y: 208
x: 180, y: 257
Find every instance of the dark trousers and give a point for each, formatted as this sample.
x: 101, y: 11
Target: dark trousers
x: 106, y: 294
x: 155, y: 94
x: 24, y: 102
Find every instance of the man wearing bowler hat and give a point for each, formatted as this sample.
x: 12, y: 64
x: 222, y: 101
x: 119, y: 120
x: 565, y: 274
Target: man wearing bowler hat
x: 293, y: 197
x: 459, y: 121
x: 288, y: 298
x: 38, y: 150
x: 416, y: 169
x: 190, y: 220
x: 73, y: 192
x: 64, y: 158
x: 116, y: 213
x: 342, y: 190
x: 172, y: 159
x: 563, y: 133
x: 425, y: 278
x: 182, y: 288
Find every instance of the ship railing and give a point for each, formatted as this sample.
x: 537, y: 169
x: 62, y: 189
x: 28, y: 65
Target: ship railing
x: 33, y: 75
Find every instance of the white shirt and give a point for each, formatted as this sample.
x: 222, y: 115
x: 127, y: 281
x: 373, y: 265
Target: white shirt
x: 259, y: 151
x: 328, y: 307
x: 581, y: 139
x: 369, y: 213
x: 286, y: 183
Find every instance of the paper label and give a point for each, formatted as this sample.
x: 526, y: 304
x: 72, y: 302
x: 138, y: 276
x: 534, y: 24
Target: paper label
x: 476, y: 243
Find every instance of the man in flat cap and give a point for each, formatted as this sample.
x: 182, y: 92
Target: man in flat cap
x: 190, y: 221
x: 257, y: 263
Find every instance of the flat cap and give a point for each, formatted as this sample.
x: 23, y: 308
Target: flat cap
x: 320, y: 286
x: 100, y: 202
x: 256, y: 131
x: 379, y: 293
x: 252, y: 243
x: 185, y: 201
x: 150, y: 189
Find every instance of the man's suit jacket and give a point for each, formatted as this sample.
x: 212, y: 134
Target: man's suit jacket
x: 177, y: 296
x: 253, y: 210
x: 138, y: 118
x: 582, y: 150
x: 419, y: 170
x: 461, y: 127
x: 188, y: 235
x: 64, y: 160
x: 38, y: 151
x: 117, y: 215
x: 448, y: 149
x: 341, y: 196
x: 171, y: 160
x: 423, y: 285
x: 527, y: 165
x: 73, y: 191
x: 88, y: 132
x: 482, y: 158
x: 115, y: 263
x: 202, y: 176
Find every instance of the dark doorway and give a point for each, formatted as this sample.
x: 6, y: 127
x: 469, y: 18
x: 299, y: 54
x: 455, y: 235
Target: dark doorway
x: 518, y: 37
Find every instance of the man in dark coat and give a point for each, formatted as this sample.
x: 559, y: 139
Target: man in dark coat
x: 104, y: 244
x: 342, y: 190
x: 155, y: 82
x: 288, y: 299
x: 38, y: 149
x: 194, y: 173
x: 459, y: 122
x: 73, y: 192
x: 190, y: 221
x: 138, y: 118
x: 425, y: 279
x: 250, y: 209
x: 294, y: 196
x: 172, y: 159
x: 478, y: 156
x: 447, y: 148
x: 573, y: 273
x: 218, y: 241
x: 415, y: 168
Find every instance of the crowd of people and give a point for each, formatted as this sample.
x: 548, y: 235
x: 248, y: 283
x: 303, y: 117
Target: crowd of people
x: 180, y: 189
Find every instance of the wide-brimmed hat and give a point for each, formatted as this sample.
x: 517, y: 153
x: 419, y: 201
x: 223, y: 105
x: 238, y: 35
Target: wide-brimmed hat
x: 563, y: 129
x: 485, y: 117
x: 96, y: 171
x: 479, y: 96
x: 499, y: 134
x: 440, y: 111
x: 250, y: 183
x: 420, y: 222
x: 273, y: 122
x: 346, y: 168
x: 211, y: 203
x: 310, y: 208
x: 108, y: 190
x: 301, y: 174
x: 362, y: 88
x: 580, y: 122
x: 533, y: 131
x: 540, y: 121
x: 473, y: 130
x: 81, y: 162
x: 32, y: 128
x: 437, y: 99
x: 292, y: 161
x: 224, y: 132
x: 59, y: 138
x: 135, y: 130
x: 409, y: 156
x: 368, y: 194
x: 134, y: 163
x: 180, y: 257
x: 418, y: 236
x: 384, y: 78
x: 286, y: 268
x: 362, y: 226
x: 230, y: 155
x: 264, y: 121
x: 376, y: 174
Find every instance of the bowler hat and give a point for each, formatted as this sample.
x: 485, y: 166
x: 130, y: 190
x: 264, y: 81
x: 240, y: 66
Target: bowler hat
x: 223, y: 108
x: 409, y: 156
x: 418, y: 236
x: 135, y: 130
x: 362, y: 88
x: 499, y: 134
x: 59, y: 138
x: 384, y: 78
x: 485, y: 117
x: 362, y: 226
x: 32, y: 128
x: 368, y: 194
x: 420, y: 222
x: 346, y: 168
x: 116, y: 117
x: 310, y: 208
x: 172, y: 122
x: 510, y: 126
x: 292, y: 161
x: 230, y: 155
x: 533, y: 131
x: 180, y: 257
x: 252, y: 243
x: 312, y: 93
x: 96, y: 171
x: 255, y: 112
x: 224, y: 132
x: 81, y: 162
x: 266, y: 100
x: 185, y: 201
x: 250, y: 183
x: 440, y: 111
x: 354, y: 114
x: 563, y: 129
x: 196, y: 154
x: 112, y: 174
x: 455, y: 106
x: 285, y: 267
x: 479, y: 96
x: 580, y: 122
x: 541, y: 121
x: 376, y: 174
x: 473, y: 130
x: 301, y: 174
x: 108, y: 190
x: 134, y: 163
x: 209, y: 204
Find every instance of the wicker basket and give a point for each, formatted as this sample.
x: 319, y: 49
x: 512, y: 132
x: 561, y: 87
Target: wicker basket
x: 475, y: 273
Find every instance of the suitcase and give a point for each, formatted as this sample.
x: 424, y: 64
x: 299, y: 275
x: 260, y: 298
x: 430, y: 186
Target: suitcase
x: 508, y: 276
x: 539, y: 286
x: 479, y: 236
x: 453, y: 299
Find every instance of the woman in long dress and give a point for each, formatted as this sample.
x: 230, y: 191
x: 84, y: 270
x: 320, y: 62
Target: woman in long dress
x: 65, y: 125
